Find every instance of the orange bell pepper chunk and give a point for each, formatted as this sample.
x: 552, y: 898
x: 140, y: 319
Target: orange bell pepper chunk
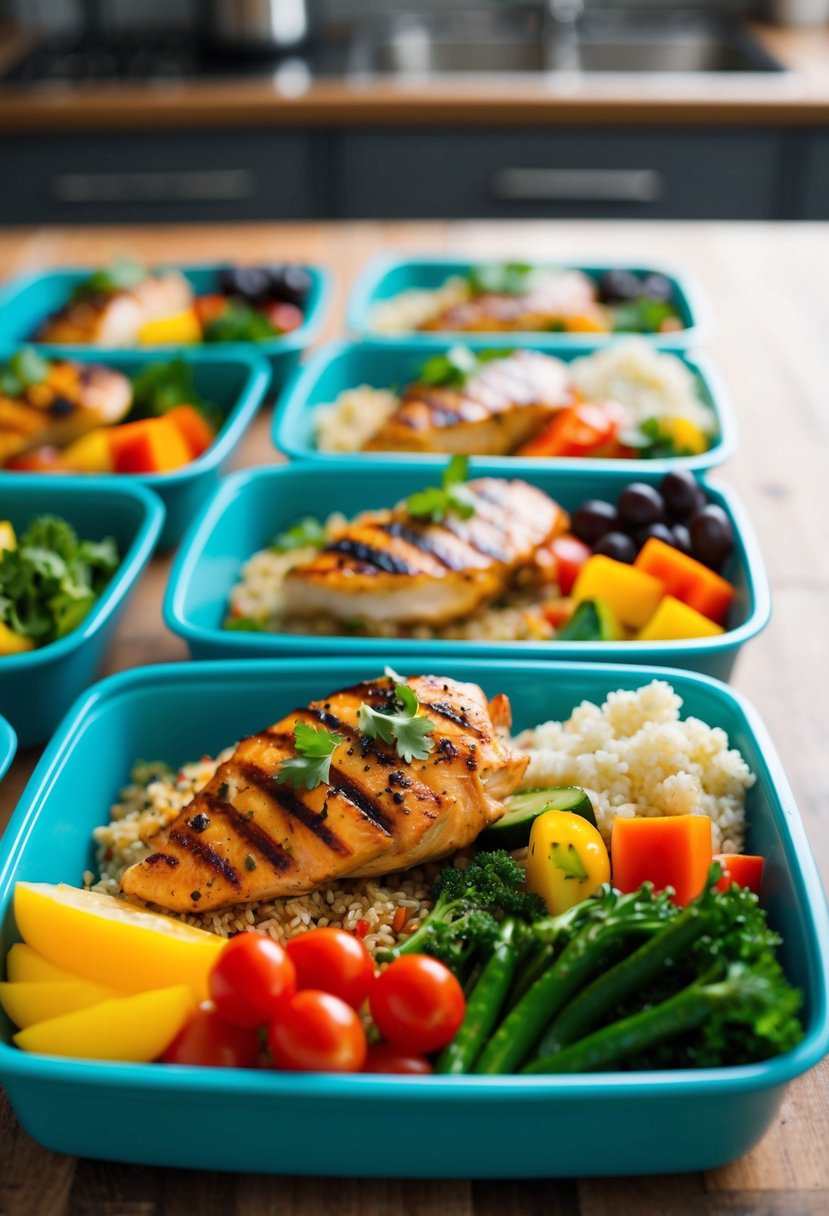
x: 686, y: 579
x: 743, y: 869
x: 669, y: 851
x: 197, y: 432
x: 152, y: 445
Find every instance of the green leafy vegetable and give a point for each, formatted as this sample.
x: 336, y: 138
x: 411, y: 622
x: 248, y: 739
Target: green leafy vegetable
x: 240, y: 323
x: 453, y: 369
x: 507, y: 278
x: 652, y: 442
x: 160, y: 387
x: 311, y: 767
x: 307, y: 533
x: 451, y: 497
x: 568, y: 861
x: 51, y: 580
x: 25, y: 368
x: 405, y: 728
x: 122, y: 275
x: 641, y: 316
x: 246, y: 624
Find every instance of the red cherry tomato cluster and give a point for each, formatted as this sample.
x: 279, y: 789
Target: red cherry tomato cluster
x: 307, y: 997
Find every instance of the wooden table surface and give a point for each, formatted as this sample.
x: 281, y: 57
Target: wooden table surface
x: 768, y: 290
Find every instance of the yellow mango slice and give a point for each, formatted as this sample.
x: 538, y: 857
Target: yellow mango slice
x: 674, y: 621
x: 8, y: 538
x: 111, y: 942
x: 163, y: 331
x: 131, y: 1028
x: 13, y: 643
x: 25, y: 966
x: 27, y: 1004
x: 89, y: 454
x: 632, y: 594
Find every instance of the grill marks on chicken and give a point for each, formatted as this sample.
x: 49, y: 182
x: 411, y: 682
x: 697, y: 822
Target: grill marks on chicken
x: 73, y: 399
x: 494, y: 412
x: 115, y: 318
x: 389, y: 566
x: 557, y: 297
x: 247, y: 837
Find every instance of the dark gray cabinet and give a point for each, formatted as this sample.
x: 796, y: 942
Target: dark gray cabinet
x: 813, y: 202
x: 666, y: 173
x: 161, y: 176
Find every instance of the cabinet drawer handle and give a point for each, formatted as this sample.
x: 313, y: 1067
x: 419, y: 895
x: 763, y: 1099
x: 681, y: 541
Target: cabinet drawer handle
x: 196, y: 185
x: 578, y: 185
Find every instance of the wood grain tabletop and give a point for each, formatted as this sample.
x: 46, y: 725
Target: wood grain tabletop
x: 768, y: 338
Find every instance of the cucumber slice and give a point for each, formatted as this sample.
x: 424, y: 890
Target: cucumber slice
x: 512, y: 831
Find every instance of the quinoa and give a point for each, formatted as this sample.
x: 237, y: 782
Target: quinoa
x: 407, y: 311
x: 633, y: 755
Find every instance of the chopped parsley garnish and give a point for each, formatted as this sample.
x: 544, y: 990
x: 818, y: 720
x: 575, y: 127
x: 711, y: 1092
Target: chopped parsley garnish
x: 453, y: 369
x: 307, y: 533
x: 250, y: 862
x: 240, y: 323
x: 451, y: 497
x: 504, y: 278
x: 122, y: 275
x: 52, y: 579
x: 25, y: 368
x: 405, y: 728
x: 311, y: 767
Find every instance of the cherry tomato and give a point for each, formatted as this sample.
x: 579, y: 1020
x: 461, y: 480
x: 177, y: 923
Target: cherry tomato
x: 570, y: 555
x: 250, y: 980
x: 209, y: 1040
x: 317, y: 1032
x: 385, y: 1057
x: 332, y: 960
x: 417, y: 1003
x: 283, y: 317
x: 208, y: 308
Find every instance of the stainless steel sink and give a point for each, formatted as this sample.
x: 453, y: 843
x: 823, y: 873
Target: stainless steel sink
x: 412, y: 46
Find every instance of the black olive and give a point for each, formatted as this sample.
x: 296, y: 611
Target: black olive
x: 250, y: 283
x: 616, y: 545
x: 618, y: 286
x: 682, y: 538
x: 658, y: 288
x: 640, y: 504
x: 593, y: 519
x: 659, y: 531
x: 289, y: 283
x: 683, y: 494
x: 712, y: 537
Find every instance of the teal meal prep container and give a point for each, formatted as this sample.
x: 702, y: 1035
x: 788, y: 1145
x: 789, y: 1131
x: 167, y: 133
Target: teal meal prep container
x: 346, y: 365
x: 27, y: 301
x: 249, y: 508
x: 235, y: 383
x: 387, y: 275
x: 270, y: 1122
x: 38, y: 686
x: 8, y: 746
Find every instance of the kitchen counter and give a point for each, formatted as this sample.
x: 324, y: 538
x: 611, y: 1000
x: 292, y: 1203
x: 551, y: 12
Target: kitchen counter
x: 771, y: 315
x: 797, y: 97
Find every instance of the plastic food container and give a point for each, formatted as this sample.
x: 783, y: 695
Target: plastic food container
x: 386, y: 276
x: 26, y: 301
x: 344, y: 365
x: 37, y: 687
x: 610, y: 1123
x: 8, y: 746
x: 249, y: 508
x: 235, y: 383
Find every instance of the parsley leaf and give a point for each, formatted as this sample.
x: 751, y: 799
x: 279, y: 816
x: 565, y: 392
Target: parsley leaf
x: 509, y: 278
x: 122, y: 275
x: 453, y: 369
x: 305, y: 533
x: 311, y: 767
x: 160, y: 387
x: 240, y: 323
x: 406, y: 729
x: 451, y: 497
x: 23, y: 369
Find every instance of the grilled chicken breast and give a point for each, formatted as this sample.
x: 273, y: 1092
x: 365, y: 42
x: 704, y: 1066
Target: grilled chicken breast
x: 553, y: 300
x: 73, y: 399
x: 247, y: 837
x: 115, y: 318
x: 493, y: 413
x: 388, y: 566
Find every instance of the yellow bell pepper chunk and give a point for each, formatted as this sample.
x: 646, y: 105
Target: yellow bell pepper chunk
x: 566, y: 861
x: 182, y: 327
x: 687, y: 437
x: 90, y: 453
x: 8, y: 539
x: 674, y: 621
x: 13, y: 643
x: 632, y: 594
x: 136, y: 1028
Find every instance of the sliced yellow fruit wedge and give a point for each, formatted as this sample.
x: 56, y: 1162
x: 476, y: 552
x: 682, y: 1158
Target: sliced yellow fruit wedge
x: 8, y: 539
x: 131, y: 1028
x: 111, y: 942
x: 27, y: 1004
x: 25, y: 966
